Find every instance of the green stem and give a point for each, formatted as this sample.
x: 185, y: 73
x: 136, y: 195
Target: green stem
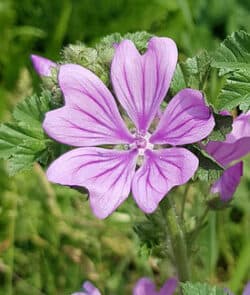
x: 177, y: 239
x: 12, y: 226
x: 199, y: 225
x: 184, y: 200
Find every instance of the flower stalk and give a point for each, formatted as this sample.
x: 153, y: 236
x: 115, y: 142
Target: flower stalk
x: 177, y: 239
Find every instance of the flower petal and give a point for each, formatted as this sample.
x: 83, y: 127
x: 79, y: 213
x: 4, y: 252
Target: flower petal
x: 42, y: 65
x: 107, y: 174
x: 90, y: 289
x: 228, y: 182
x: 247, y: 289
x: 144, y: 287
x: 90, y: 116
x: 241, y: 128
x: 169, y: 287
x: 186, y: 120
x: 162, y: 170
x: 224, y: 153
x: 141, y: 81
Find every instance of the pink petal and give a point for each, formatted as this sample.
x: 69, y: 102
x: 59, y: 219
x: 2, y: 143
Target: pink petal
x: 224, y: 153
x: 141, y: 81
x: 90, y: 289
x: 247, y: 289
x: 90, y: 116
x: 107, y: 174
x: 162, y: 170
x: 186, y: 120
x: 241, y: 128
x: 42, y: 65
x: 144, y: 287
x: 229, y: 181
x: 169, y: 287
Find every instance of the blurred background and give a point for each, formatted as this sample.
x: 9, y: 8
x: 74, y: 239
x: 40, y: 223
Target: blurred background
x: 49, y: 240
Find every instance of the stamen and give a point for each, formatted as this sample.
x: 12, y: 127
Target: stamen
x: 141, y: 143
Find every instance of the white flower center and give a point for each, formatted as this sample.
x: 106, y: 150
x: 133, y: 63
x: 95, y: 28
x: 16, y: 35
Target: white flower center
x: 142, y: 143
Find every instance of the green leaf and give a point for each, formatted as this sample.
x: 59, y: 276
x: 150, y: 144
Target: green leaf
x: 192, y: 73
x: 232, y: 59
x: 32, y: 109
x: 23, y: 141
x: 178, y: 81
x: 98, y: 59
x: 209, y: 170
x: 223, y: 125
x: 201, y: 289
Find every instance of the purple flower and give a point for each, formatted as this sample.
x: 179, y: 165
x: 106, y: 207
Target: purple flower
x: 42, y: 65
x: 88, y: 289
x: 236, y: 145
x: 245, y: 292
x: 247, y: 289
x: 91, y: 118
x: 146, y: 287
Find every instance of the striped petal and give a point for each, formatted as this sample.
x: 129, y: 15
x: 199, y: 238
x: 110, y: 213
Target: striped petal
x: 169, y: 287
x: 240, y: 128
x: 141, y: 81
x: 90, y: 116
x: 107, y: 174
x: 162, y: 170
x: 146, y: 287
x: 42, y: 65
x: 224, y: 152
x: 186, y: 120
x: 228, y: 182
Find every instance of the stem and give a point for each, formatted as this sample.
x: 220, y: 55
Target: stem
x: 184, y: 200
x: 199, y: 225
x: 12, y: 226
x: 177, y: 239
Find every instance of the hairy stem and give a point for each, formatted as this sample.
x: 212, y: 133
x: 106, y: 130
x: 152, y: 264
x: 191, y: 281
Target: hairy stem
x: 184, y: 200
x: 177, y: 238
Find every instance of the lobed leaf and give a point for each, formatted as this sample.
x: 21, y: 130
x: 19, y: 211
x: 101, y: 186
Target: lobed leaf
x: 223, y: 125
x: 200, y: 289
x: 23, y: 141
x: 192, y: 73
x: 209, y: 170
x: 232, y: 59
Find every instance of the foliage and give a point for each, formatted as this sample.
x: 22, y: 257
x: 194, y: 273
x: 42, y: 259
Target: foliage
x: 200, y: 289
x: 233, y: 61
x: 209, y: 170
x: 23, y: 141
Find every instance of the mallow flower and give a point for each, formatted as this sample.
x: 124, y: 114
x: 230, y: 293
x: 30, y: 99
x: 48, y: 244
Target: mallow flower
x: 146, y: 287
x: 88, y: 289
x: 236, y: 145
x: 42, y: 65
x: 112, y: 159
x: 143, y: 287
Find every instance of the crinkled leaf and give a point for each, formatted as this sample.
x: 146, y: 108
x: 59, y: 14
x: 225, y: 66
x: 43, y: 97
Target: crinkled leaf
x: 200, y: 289
x: 32, y: 109
x: 98, y: 59
x: 23, y: 141
x: 232, y: 59
x: 178, y: 81
x: 223, y: 125
x: 192, y: 73
x: 209, y: 170
x: 152, y: 233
